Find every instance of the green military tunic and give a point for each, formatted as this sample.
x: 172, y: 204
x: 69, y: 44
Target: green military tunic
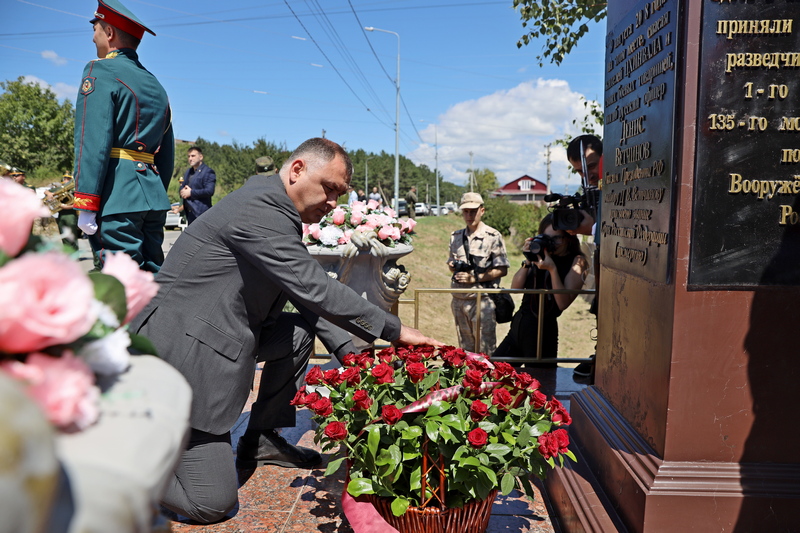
x: 124, y: 155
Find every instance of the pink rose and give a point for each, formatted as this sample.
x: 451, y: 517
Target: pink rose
x: 389, y: 211
x: 314, y: 230
x: 338, y: 216
x: 410, y: 224
x: 45, y: 299
x: 62, y: 386
x: 389, y: 232
x: 140, y: 287
x: 356, y: 217
x: 372, y: 204
x: 348, y: 234
x: 20, y: 207
x: 305, y: 230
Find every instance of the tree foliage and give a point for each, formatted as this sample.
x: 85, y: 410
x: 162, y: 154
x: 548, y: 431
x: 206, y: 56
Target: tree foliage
x: 485, y: 182
x: 560, y: 24
x: 36, y: 132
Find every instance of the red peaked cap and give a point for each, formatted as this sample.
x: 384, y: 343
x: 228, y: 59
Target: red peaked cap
x: 119, y: 16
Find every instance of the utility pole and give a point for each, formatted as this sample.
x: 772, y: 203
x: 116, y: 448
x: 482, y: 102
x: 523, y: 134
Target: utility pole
x: 471, y: 173
x: 548, y: 167
x: 323, y: 133
x: 436, y: 170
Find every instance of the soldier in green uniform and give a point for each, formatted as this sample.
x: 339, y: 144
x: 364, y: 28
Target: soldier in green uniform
x: 124, y: 144
x: 265, y: 166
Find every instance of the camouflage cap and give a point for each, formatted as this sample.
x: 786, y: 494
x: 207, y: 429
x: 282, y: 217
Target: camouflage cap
x: 471, y: 200
x: 264, y: 164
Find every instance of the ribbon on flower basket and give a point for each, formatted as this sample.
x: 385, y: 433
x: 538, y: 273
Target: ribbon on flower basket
x: 360, y: 511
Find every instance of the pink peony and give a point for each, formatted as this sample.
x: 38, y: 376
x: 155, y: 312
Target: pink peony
x: 20, y: 207
x: 338, y: 216
x: 45, y: 300
x: 62, y: 386
x: 389, y: 232
x: 140, y: 287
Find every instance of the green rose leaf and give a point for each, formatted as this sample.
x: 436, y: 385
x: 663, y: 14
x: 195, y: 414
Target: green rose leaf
x: 411, y: 433
x: 432, y: 430
x: 373, y: 439
x: 498, y: 449
x: 399, y: 506
x: 360, y: 486
x: 446, y: 433
x: 437, y: 408
x: 111, y: 292
x: 524, y: 436
x: 491, y: 476
x: 333, y: 466
x: 506, y: 483
x: 141, y: 344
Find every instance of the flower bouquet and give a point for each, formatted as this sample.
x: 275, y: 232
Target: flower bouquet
x: 59, y: 327
x: 435, y: 427
x: 338, y: 226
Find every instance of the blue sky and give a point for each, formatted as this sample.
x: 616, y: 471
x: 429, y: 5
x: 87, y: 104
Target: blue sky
x: 287, y: 70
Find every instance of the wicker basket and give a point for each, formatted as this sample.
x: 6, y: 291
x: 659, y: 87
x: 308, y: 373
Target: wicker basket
x: 472, y: 518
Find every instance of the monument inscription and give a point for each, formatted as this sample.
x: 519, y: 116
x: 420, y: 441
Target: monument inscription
x: 641, y: 54
x: 747, y: 175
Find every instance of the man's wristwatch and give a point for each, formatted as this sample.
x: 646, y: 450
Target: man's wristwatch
x: 526, y: 264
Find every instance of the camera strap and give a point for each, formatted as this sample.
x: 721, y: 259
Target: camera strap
x: 488, y: 284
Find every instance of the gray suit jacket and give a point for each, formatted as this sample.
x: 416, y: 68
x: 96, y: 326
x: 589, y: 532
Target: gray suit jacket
x: 225, y: 279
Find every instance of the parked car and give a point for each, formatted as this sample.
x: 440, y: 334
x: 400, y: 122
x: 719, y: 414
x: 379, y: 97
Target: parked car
x: 439, y: 211
x: 452, y: 207
x: 402, y: 208
x: 174, y: 220
x: 422, y: 209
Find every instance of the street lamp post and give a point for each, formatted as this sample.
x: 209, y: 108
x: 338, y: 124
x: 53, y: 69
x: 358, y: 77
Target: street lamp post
x: 396, y: 124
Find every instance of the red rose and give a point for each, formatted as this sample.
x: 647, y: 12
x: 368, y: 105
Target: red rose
x: 453, y: 356
x: 501, y: 398
x: 478, y: 364
x: 365, y: 361
x: 523, y: 380
x: 477, y: 438
x: 558, y: 413
x: 548, y: 445
x: 387, y: 351
x: 361, y: 401
x: 383, y: 373
x: 478, y: 411
x: 502, y: 370
x: 352, y: 376
x: 410, y: 357
x: 391, y: 414
x: 538, y: 399
x: 311, y: 398
x: 314, y: 376
x: 322, y: 407
x: 425, y: 351
x: 336, y: 431
x: 473, y: 380
x: 299, y: 396
x: 332, y: 377
x: 350, y: 359
x: 416, y: 371
x: 562, y: 438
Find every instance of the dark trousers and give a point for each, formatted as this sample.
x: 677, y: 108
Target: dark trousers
x: 140, y: 235
x: 205, y: 484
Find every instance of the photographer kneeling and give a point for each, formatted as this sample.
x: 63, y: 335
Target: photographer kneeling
x: 553, y: 261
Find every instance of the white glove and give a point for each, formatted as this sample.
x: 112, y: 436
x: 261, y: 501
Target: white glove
x: 87, y: 221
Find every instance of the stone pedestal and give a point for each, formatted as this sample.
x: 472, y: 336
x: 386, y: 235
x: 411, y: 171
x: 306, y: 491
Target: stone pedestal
x: 369, y: 268
x: 690, y: 426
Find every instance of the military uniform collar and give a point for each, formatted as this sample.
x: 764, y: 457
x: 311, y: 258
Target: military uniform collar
x: 480, y: 231
x: 130, y: 53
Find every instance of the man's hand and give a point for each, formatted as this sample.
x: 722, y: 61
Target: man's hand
x: 87, y: 222
x: 186, y: 192
x: 586, y: 225
x: 411, y: 336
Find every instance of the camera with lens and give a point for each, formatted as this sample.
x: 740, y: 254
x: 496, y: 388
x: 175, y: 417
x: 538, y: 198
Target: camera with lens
x: 461, y: 266
x: 538, y: 245
x: 567, y: 213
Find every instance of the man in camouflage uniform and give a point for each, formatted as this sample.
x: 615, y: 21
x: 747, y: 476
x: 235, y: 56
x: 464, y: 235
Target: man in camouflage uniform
x: 482, y: 254
x: 265, y: 166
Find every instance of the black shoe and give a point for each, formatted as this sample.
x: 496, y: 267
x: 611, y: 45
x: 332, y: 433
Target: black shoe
x: 269, y: 448
x: 584, y: 369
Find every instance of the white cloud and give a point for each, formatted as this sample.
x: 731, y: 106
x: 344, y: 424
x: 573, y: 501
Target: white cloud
x: 223, y: 133
x: 507, y: 132
x: 62, y: 90
x: 54, y: 58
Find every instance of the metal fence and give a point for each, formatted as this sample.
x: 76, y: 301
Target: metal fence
x: 481, y: 293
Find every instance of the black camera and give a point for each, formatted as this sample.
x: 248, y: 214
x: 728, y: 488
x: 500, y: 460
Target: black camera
x: 461, y: 266
x: 538, y: 245
x: 567, y: 213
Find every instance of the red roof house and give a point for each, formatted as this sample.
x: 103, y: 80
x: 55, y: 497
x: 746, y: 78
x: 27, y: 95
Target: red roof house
x: 522, y: 190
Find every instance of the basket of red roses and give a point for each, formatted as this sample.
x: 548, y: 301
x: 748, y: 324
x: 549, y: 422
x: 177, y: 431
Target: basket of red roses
x: 432, y: 434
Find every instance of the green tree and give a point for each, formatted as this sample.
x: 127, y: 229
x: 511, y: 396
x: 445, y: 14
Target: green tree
x: 561, y: 24
x: 36, y: 132
x: 485, y: 182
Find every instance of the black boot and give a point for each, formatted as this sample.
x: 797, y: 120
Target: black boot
x: 267, y: 447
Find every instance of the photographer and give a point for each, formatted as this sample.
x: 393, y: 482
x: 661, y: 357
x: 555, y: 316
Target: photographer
x: 558, y: 264
x: 477, y: 259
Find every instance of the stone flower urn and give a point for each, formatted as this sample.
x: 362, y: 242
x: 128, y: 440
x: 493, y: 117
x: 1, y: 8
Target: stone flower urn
x: 368, y: 267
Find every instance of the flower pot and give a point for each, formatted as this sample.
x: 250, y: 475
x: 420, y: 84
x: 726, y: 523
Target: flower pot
x: 473, y: 517
x: 369, y: 268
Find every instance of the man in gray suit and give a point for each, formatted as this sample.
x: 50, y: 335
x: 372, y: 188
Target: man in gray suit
x: 218, y: 311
